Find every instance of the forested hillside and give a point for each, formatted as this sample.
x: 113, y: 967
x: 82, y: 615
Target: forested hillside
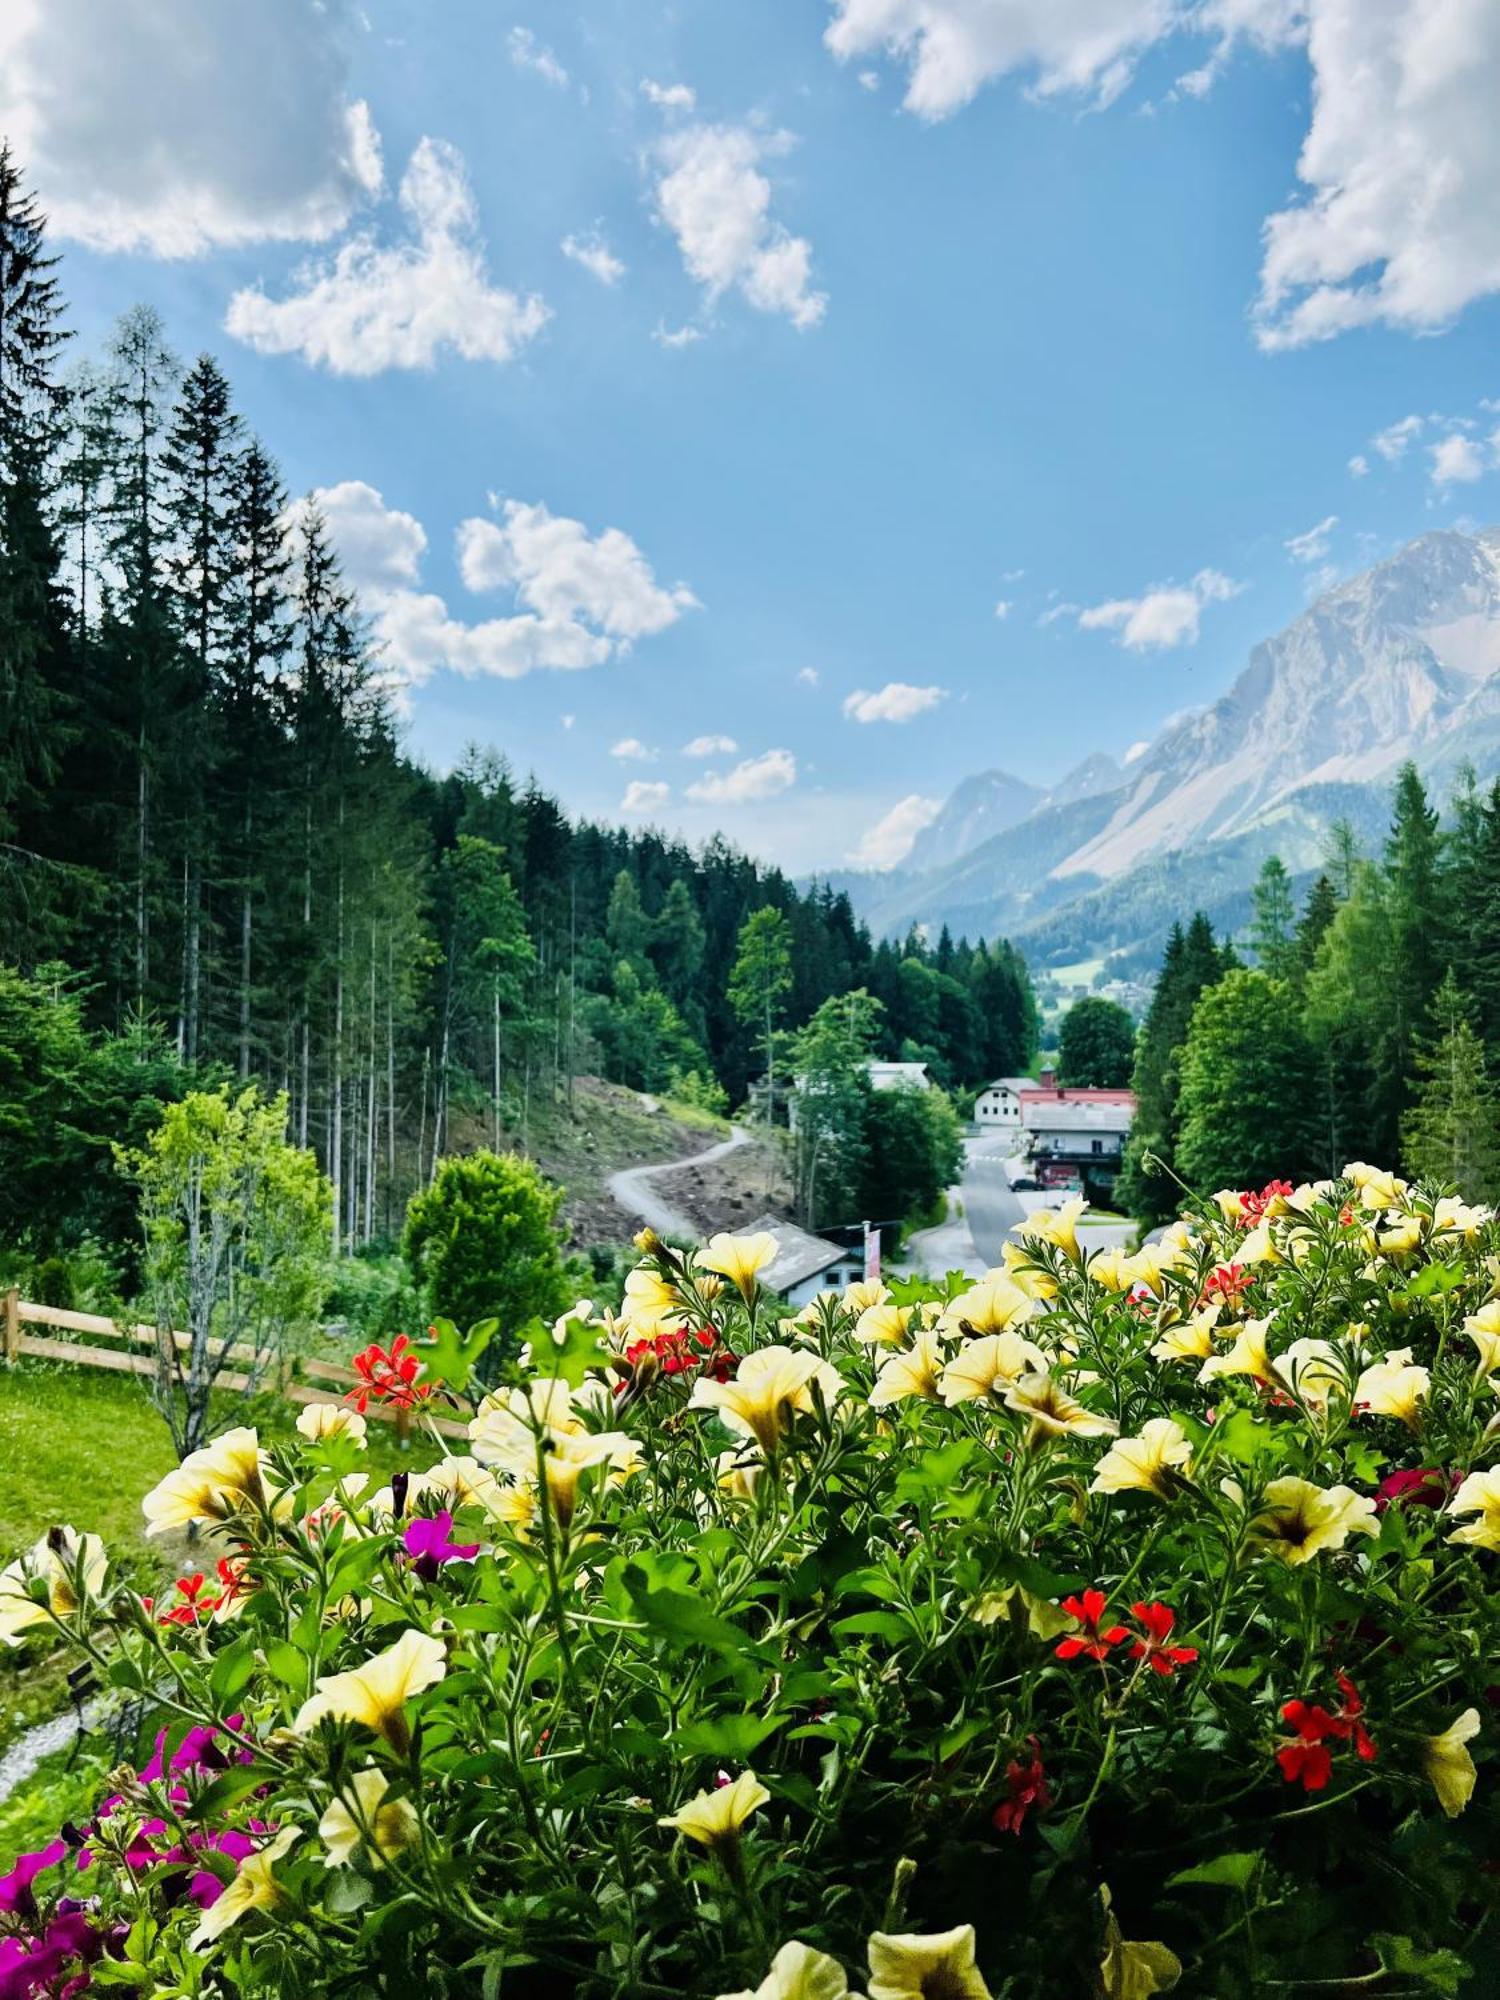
x: 214, y: 849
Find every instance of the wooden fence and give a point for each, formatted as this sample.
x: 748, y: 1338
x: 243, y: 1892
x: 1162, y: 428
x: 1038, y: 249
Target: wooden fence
x: 115, y: 1344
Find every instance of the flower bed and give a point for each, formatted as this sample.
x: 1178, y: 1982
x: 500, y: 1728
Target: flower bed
x: 1111, y: 1624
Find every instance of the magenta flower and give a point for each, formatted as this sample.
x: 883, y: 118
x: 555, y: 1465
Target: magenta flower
x: 429, y: 1542
x: 17, y: 1898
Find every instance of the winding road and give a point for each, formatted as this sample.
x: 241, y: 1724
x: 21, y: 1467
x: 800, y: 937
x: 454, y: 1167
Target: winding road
x: 631, y: 1188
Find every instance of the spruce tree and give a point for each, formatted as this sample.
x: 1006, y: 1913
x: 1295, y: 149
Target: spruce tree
x: 1192, y: 961
x: 1452, y: 1132
x: 1271, y: 932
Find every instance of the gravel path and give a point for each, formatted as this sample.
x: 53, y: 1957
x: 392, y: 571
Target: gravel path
x: 631, y: 1188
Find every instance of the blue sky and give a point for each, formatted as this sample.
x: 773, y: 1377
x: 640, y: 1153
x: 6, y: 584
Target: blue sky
x: 876, y: 315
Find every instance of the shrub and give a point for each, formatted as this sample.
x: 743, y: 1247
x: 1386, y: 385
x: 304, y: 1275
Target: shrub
x: 1114, y: 1621
x: 482, y: 1242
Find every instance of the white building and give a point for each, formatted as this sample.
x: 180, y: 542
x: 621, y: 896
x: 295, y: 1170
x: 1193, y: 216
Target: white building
x: 805, y: 1264
x: 899, y: 1076
x: 997, y: 1108
x: 1073, y: 1135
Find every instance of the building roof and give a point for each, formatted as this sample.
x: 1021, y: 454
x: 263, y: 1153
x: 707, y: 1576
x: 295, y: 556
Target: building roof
x: 799, y: 1254
x: 1015, y: 1083
x: 1054, y: 1115
x: 1057, y: 1093
x: 885, y: 1073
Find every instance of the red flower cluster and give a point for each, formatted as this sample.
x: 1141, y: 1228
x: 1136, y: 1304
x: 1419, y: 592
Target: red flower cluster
x: 1229, y: 1282
x: 1151, y: 1641
x: 389, y: 1377
x: 1253, y: 1206
x: 1026, y: 1786
x: 679, y: 1352
x: 1307, y: 1758
x: 194, y: 1607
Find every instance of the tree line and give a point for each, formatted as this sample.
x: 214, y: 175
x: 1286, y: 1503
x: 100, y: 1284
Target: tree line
x: 216, y: 861
x: 1367, y: 1027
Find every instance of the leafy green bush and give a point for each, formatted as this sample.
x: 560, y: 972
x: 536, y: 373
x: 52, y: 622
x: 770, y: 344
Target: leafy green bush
x: 482, y: 1242
x: 1114, y: 1623
x: 374, y: 1294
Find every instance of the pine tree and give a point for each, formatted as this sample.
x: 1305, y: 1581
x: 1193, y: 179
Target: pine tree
x: 1419, y: 937
x: 1319, y: 911
x: 1192, y: 962
x: 1271, y: 933
x: 759, y: 985
x: 1452, y: 1132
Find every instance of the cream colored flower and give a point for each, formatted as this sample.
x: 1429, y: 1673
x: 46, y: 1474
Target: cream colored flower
x: 1452, y: 1217
x: 1130, y: 1971
x: 1145, y: 1464
x: 991, y: 1306
x: 649, y: 1301
x: 740, y: 1259
x: 569, y: 1457
x: 1058, y: 1226
x: 771, y: 1385
x: 1313, y: 1372
x: 1051, y: 1411
x: 1403, y: 1236
x: 1298, y: 1520
x: 1190, y: 1340
x: 254, y: 1888
x: 914, y: 1372
x: 1044, y: 1619
x: 1113, y: 1268
x: 209, y: 1485
x: 864, y: 1293
x: 375, y: 1695
x: 381, y: 1826
x: 1023, y: 1274
x: 939, y: 1966
x: 1393, y: 1387
x: 459, y: 1482
x: 718, y: 1815
x: 510, y: 1423
x: 989, y: 1367
x: 1155, y: 1261
x: 1376, y: 1188
x: 58, y: 1561
x: 1479, y: 1495
x: 1231, y: 1204
x: 883, y: 1325
x: 739, y: 1473
x: 800, y: 1973
x: 1258, y: 1247
x: 326, y: 1420
x: 1247, y: 1356
x: 1483, y: 1328
x: 1448, y: 1764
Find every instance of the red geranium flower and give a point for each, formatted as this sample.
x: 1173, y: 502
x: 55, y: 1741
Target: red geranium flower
x: 1228, y: 1282
x: 1422, y: 1487
x: 1253, y: 1206
x: 1307, y: 1759
x: 388, y: 1377
x: 1026, y: 1786
x: 1156, y: 1622
x: 1089, y: 1609
x: 680, y: 1351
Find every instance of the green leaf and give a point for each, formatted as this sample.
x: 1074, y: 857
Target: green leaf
x: 286, y: 1664
x: 451, y: 1356
x: 232, y: 1671
x: 935, y: 1471
x: 228, y: 1789
x: 1440, y: 1971
x: 582, y: 1347
x: 1225, y: 1871
x: 735, y: 1737
x: 878, y: 1624
x: 679, y: 1618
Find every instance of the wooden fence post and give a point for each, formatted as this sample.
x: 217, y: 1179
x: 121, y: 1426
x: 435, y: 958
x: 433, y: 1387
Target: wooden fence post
x: 10, y: 1335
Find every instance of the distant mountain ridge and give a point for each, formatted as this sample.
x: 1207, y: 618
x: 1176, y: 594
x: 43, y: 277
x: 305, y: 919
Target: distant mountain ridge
x: 1402, y: 661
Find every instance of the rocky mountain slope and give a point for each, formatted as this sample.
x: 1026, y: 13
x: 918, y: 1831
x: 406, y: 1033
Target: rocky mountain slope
x: 1400, y: 662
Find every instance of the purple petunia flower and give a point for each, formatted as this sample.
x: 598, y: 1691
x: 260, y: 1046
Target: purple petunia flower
x: 429, y: 1543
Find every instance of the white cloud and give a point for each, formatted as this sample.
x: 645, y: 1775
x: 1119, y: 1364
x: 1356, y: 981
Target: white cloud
x: 568, y: 721
x: 668, y: 96
x: 897, y: 701
x: 559, y: 570
x: 1396, y: 439
x: 1311, y: 546
x: 710, y: 746
x: 953, y: 47
x: 1164, y: 616
x: 1359, y: 465
x: 1004, y: 607
x: 580, y: 599
x: 631, y: 750
x: 757, y: 778
x: 174, y: 130
x: 526, y: 52
x: 1400, y: 225
x: 676, y: 336
x: 643, y: 795
x: 807, y: 677
x: 716, y: 202
x: 398, y: 306
x: 890, y: 839
x: 1457, y: 460
x: 596, y: 257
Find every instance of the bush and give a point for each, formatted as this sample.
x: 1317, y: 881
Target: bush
x: 482, y: 1242
x: 374, y: 1294
x: 1114, y: 1622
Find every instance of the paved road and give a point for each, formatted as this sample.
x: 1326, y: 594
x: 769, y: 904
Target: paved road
x: 632, y: 1188
x: 992, y: 1209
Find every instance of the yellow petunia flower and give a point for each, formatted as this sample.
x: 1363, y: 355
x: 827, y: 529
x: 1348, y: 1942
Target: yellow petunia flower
x: 1376, y: 1188
x: 568, y: 1458
x: 1447, y: 1762
x: 381, y: 1825
x: 1298, y: 1520
x: 989, y: 1367
x: 1044, y: 1619
x: 505, y: 1431
x: 1112, y: 1268
x: 1393, y: 1387
x: 991, y: 1306
x: 1145, y: 1464
x: 740, y: 1259
x: 738, y: 1473
x: 912, y: 1373
x: 1231, y: 1204
x: 771, y: 1385
x: 1051, y: 1411
x: 375, y: 1695
x: 1015, y: 1265
x: 649, y: 1301
x: 883, y: 1325
x: 209, y: 1485
x: 1057, y: 1226
x: 908, y: 1966
x: 1478, y: 1495
x: 326, y: 1420
x: 1313, y: 1372
x: 1452, y: 1217
x: 716, y: 1816
x: 800, y: 1973
x: 1190, y: 1340
x: 254, y: 1888
x: 1248, y: 1355
x: 1130, y: 1971
x: 1401, y: 1237
x: 1483, y: 1328
x: 864, y: 1293
x: 55, y: 1561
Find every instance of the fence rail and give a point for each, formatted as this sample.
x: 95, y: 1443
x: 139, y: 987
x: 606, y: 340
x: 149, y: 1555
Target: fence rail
x: 124, y: 1338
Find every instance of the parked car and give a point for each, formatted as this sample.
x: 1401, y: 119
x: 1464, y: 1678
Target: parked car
x: 1024, y: 1184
